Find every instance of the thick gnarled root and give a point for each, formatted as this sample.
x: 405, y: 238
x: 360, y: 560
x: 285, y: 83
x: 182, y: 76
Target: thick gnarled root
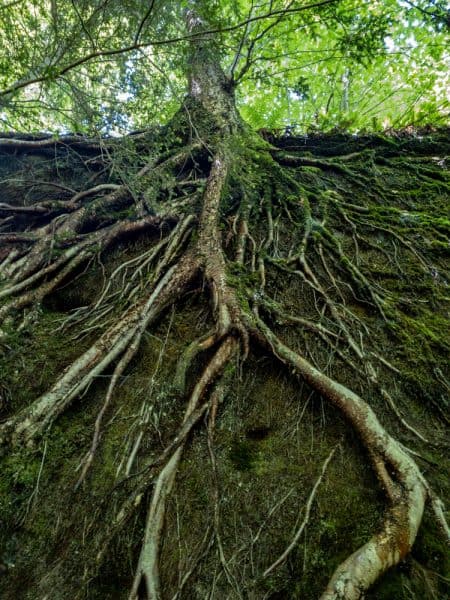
x: 34, y: 419
x: 43, y: 282
x: 398, y: 473
x: 147, y: 573
x: 225, y: 304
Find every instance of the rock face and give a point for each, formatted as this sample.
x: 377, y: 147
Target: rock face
x: 223, y: 369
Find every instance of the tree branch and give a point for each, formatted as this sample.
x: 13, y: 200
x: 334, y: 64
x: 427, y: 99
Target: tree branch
x: 20, y: 84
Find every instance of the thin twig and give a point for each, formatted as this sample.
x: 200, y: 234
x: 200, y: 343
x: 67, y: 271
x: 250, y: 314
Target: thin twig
x: 299, y: 532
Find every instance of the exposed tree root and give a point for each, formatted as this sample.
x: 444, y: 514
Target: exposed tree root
x: 210, y: 248
x: 34, y: 419
x: 65, y: 229
x: 398, y: 473
x: 147, y: 573
x: 67, y: 264
x: 304, y: 523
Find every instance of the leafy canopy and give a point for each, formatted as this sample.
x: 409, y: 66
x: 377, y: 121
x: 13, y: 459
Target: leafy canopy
x: 111, y: 66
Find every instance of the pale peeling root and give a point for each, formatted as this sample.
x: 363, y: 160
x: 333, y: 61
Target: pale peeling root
x: 361, y: 569
x: 403, y: 482
x: 210, y: 249
x: 147, y: 572
x: 60, y: 269
x: 32, y: 421
x: 148, y: 568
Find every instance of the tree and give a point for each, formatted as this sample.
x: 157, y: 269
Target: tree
x: 224, y: 212
x: 56, y: 59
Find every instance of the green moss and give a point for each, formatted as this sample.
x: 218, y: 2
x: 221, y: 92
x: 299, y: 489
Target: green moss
x: 431, y: 549
x: 17, y: 480
x: 272, y: 434
x: 243, y: 455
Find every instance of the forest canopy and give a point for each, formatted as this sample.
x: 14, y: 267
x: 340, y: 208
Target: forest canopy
x: 113, y: 66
